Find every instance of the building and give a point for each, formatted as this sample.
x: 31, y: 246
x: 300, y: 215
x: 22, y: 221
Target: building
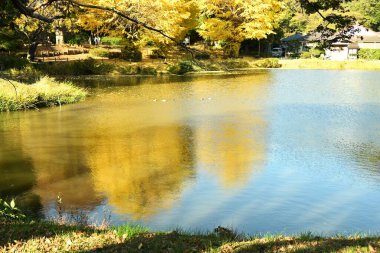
x: 340, y: 50
x: 363, y: 38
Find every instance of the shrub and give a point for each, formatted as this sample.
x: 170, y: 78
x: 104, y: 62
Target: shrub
x: 77, y: 39
x: 312, y: 53
x: 369, y: 54
x: 202, y: 56
x: 9, y: 210
x: 46, y: 92
x: 137, y: 70
x: 12, y: 61
x: 157, y: 54
x: 26, y: 74
x: 102, y: 52
x: 131, y: 52
x: 235, y: 64
x: 268, y: 63
x: 305, y: 55
x: 181, y: 68
x: 112, y: 41
x: 86, y: 67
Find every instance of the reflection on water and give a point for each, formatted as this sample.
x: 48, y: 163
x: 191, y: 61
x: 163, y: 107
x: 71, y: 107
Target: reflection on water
x: 231, y: 148
x: 280, y: 151
x: 144, y: 170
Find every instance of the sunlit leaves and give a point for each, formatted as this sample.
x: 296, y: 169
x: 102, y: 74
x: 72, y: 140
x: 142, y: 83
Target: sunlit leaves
x: 235, y: 20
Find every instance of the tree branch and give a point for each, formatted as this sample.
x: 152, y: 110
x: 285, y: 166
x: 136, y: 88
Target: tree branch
x: 123, y: 15
x: 31, y: 13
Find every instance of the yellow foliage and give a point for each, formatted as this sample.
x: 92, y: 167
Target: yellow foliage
x: 236, y: 20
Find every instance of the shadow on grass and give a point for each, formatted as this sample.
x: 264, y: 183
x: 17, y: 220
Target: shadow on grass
x: 12, y: 231
x: 313, y: 245
x: 166, y: 242
x: 175, y: 242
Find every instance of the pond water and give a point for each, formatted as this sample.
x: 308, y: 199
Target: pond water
x: 282, y: 151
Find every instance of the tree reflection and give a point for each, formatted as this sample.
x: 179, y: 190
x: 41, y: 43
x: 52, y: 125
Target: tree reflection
x: 232, y: 148
x: 143, y: 171
x: 58, y: 161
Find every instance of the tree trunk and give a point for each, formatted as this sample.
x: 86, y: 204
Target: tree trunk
x: 32, y: 51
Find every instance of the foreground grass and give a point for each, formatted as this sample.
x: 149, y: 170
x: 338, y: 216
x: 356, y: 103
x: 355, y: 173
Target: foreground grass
x: 17, y: 236
x: 327, y: 64
x: 44, y: 93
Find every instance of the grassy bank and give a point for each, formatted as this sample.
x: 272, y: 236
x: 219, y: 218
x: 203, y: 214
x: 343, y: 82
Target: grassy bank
x: 43, y: 93
x: 327, y: 64
x: 18, y: 236
x: 114, y: 67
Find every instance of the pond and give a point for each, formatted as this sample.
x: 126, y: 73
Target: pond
x: 281, y: 151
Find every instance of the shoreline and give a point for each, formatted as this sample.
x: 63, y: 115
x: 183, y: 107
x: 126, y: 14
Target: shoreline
x: 47, y: 236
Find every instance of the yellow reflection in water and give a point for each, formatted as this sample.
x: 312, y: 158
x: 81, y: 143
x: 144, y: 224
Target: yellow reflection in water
x: 138, y: 146
x: 143, y: 171
x: 57, y: 159
x: 232, y: 149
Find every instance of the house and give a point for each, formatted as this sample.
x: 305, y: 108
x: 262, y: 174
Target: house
x: 298, y: 43
x: 341, y: 50
x: 362, y: 38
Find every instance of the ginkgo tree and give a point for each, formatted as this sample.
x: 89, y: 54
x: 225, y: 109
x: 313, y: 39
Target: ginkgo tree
x: 233, y: 21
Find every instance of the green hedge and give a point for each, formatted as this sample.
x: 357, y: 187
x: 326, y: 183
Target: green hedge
x: 181, y: 68
x: 312, y: 53
x: 12, y: 61
x: 268, y: 63
x: 112, y: 41
x: 103, y: 52
x: 369, y: 54
x: 131, y: 52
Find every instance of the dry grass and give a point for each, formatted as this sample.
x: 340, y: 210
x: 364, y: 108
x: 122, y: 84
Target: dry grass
x: 328, y: 64
x: 23, y: 236
x: 44, y: 93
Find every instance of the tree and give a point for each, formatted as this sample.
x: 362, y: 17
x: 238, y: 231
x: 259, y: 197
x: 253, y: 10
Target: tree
x: 233, y: 21
x: 9, y: 36
x: 367, y: 12
x: 335, y: 23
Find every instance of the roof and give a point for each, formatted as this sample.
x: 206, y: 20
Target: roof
x: 294, y: 37
x: 299, y: 37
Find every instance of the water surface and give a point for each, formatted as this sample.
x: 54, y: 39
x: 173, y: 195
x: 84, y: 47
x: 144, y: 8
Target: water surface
x: 282, y: 151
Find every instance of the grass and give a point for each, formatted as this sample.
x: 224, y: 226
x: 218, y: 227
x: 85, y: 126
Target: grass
x: 46, y: 236
x: 44, y: 93
x: 327, y: 64
x: 115, y: 67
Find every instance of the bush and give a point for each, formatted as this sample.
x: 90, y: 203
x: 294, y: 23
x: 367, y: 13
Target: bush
x: 102, y: 52
x: 369, y: 54
x: 12, y: 61
x: 137, y: 70
x: 181, y: 68
x: 10, y: 211
x: 112, y: 41
x: 268, y: 63
x: 46, y: 92
x: 86, y: 67
x: 202, y: 56
x: 77, y: 39
x: 312, y: 53
x: 131, y: 52
x: 305, y: 55
x: 157, y: 54
x: 235, y: 64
